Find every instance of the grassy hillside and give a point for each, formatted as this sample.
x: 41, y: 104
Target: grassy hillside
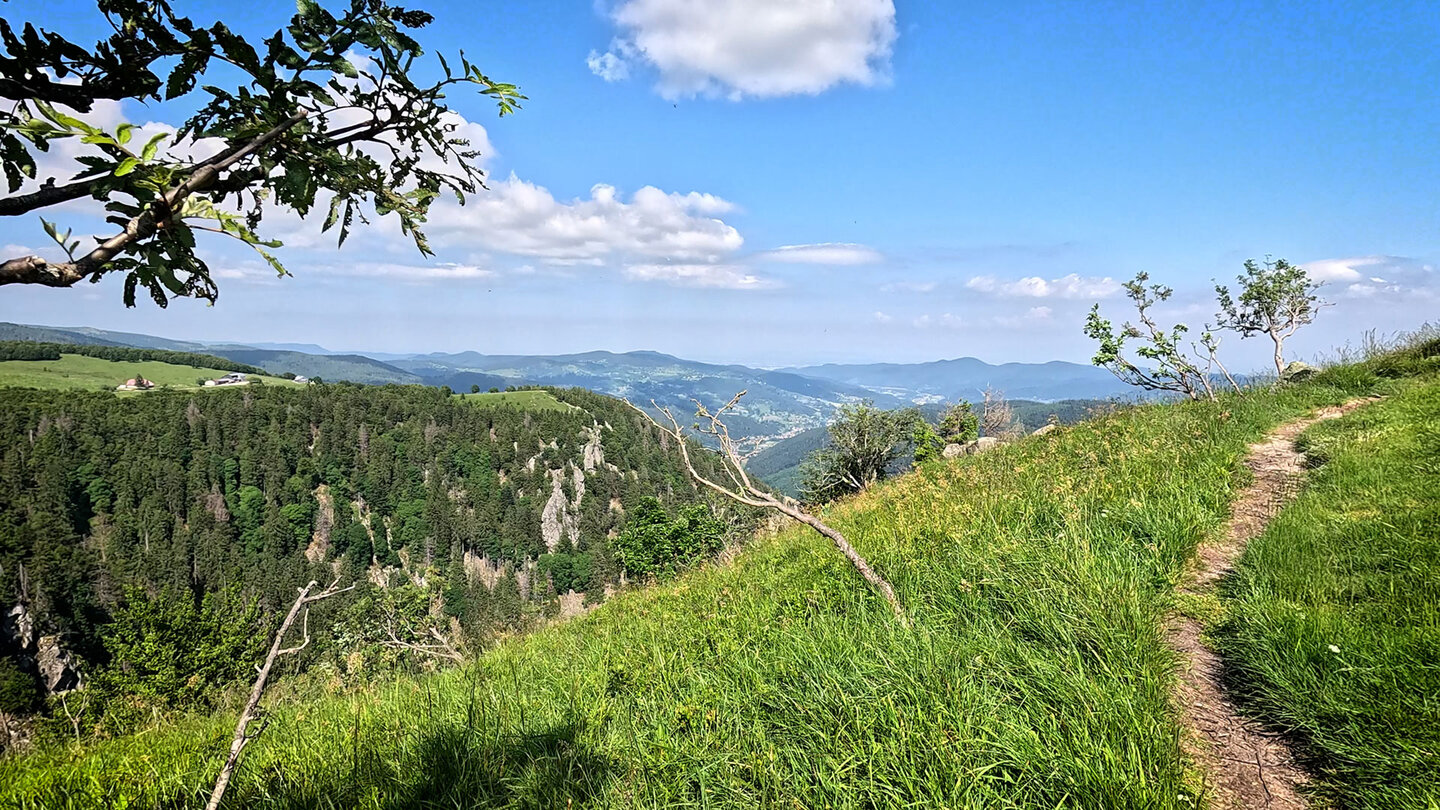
x: 77, y: 371
x: 1334, y: 617
x: 521, y: 400
x: 1038, y: 578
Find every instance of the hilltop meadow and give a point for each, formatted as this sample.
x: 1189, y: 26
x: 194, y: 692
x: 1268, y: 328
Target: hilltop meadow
x: 1036, y: 673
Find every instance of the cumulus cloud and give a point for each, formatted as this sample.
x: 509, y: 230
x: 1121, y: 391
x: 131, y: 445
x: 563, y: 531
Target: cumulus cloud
x: 525, y: 219
x: 1375, y: 276
x: 716, y: 276
x: 609, y: 66
x: 759, y: 48
x: 1069, y: 287
x: 1029, y: 317
x: 836, y: 253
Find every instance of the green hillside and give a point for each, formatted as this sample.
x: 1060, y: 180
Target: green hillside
x: 531, y: 400
x: 93, y: 373
x: 1038, y: 578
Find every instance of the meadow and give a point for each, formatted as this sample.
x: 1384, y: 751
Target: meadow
x: 1038, y: 579
x: 1333, y: 618
x: 92, y: 373
x: 520, y: 400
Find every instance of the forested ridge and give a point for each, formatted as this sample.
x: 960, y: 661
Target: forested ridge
x: 156, y: 539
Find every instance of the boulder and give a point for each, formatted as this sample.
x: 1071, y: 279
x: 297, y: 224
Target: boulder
x: 1296, y: 371
x: 58, y: 672
x: 1044, y: 429
x: 974, y: 448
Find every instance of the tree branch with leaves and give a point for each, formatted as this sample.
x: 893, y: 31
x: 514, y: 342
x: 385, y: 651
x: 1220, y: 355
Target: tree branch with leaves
x: 1170, y: 368
x: 304, y: 126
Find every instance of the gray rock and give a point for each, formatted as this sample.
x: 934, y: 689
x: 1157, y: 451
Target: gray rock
x: 1296, y: 371
x: 58, y: 672
x: 953, y: 451
x: 1044, y: 429
x: 983, y: 444
x: 17, y: 628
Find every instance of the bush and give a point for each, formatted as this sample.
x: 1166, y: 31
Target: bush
x: 19, y: 690
x: 652, y: 544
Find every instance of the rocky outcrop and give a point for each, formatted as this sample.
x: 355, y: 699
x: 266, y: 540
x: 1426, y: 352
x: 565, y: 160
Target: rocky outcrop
x: 592, y: 454
x: 17, y: 628
x: 1296, y: 371
x: 58, y: 670
x: 559, y: 516
x: 1045, y: 429
x: 975, y: 448
x: 324, y: 521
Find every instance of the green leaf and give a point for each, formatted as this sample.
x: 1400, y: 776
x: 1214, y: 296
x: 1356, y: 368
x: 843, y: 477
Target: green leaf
x: 147, y: 154
x: 126, y: 166
x: 123, y: 133
x: 343, y: 65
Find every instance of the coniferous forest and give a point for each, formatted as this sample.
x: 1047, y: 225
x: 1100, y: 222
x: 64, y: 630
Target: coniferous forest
x: 150, y: 544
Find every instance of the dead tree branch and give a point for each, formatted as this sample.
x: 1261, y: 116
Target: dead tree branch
x: 243, y: 733
x: 745, y: 491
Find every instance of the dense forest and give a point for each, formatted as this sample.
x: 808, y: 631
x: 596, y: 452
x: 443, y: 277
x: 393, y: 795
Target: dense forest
x: 148, y: 544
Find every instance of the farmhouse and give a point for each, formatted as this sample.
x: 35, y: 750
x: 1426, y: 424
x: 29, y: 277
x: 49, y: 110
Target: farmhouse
x: 233, y: 378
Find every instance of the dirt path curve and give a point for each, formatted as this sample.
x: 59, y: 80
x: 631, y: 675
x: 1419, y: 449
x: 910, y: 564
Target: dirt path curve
x: 1245, y: 766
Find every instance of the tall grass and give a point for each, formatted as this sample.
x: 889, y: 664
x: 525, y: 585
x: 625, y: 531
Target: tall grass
x: 1036, y: 674
x: 1334, y: 615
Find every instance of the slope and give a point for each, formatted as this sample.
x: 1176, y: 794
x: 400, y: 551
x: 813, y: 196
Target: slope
x: 76, y: 371
x: 1036, y: 675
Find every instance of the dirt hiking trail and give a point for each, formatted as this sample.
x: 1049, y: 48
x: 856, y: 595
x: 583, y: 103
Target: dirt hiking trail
x: 1245, y: 766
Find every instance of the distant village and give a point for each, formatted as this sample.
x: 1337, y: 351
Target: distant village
x: 139, y: 383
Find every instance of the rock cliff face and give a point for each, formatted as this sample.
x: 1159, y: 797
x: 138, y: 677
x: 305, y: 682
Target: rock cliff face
x: 42, y: 655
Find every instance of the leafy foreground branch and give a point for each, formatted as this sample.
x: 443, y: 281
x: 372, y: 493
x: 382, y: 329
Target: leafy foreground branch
x: 243, y: 733
x: 743, y: 490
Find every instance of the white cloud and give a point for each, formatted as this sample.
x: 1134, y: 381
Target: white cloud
x: 881, y: 317
x: 609, y: 66
x: 1072, y: 286
x: 761, y: 48
x: 718, y: 276
x: 1031, y: 316
x: 836, y: 253
x: 1376, y: 276
x: 524, y: 219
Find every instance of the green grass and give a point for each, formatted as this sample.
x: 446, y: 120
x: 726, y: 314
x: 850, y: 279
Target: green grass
x: 1354, y: 563
x: 520, y: 400
x: 78, y: 371
x: 1036, y: 675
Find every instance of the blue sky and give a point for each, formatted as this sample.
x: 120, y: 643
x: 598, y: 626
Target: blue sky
x: 748, y: 181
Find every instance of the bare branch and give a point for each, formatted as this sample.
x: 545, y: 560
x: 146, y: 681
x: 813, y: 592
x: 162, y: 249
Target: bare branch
x: 243, y: 733
x: 47, y: 195
x: 749, y: 494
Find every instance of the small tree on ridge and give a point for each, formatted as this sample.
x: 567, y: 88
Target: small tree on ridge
x: 1276, y: 299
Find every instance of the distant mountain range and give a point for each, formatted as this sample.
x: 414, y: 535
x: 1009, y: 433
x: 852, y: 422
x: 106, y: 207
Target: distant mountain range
x: 781, y: 403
